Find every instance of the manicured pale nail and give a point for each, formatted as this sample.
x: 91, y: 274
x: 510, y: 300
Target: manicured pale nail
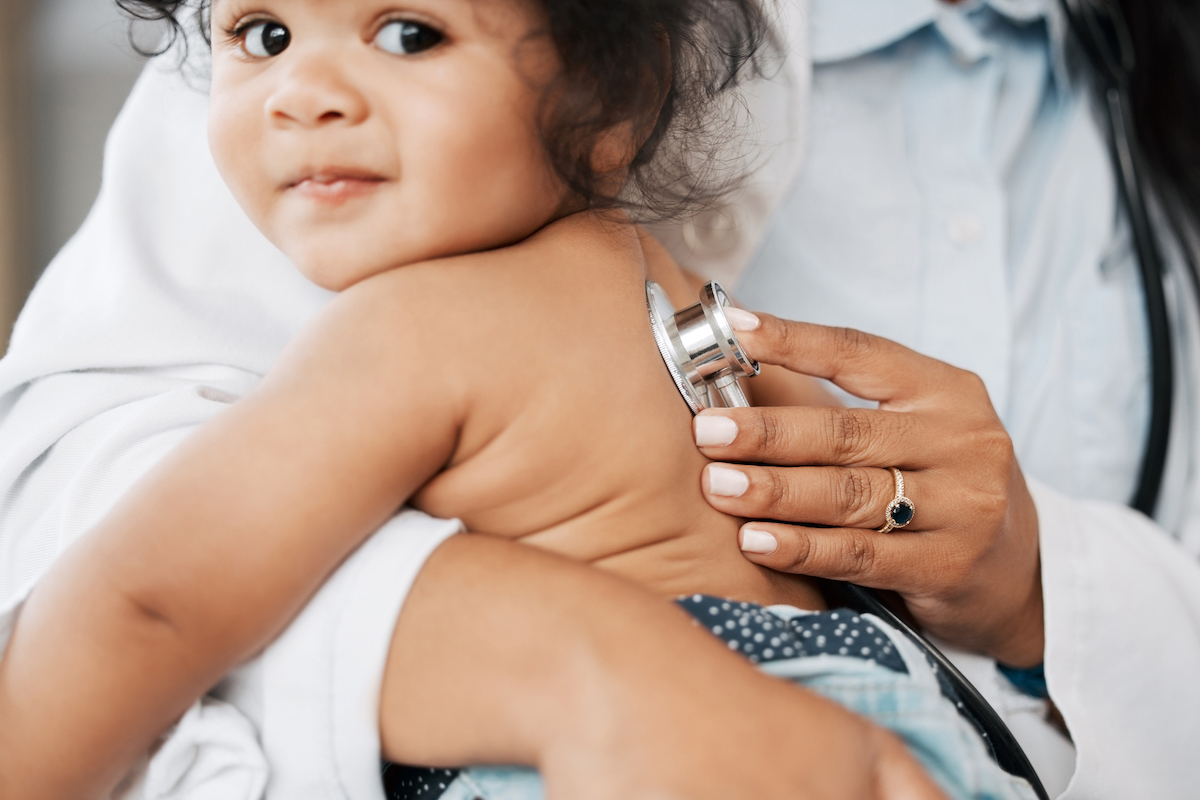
x: 727, y: 482
x: 741, y: 320
x: 756, y: 541
x: 714, y: 431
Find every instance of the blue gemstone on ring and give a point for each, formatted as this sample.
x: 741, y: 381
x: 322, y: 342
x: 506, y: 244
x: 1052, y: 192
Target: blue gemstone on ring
x: 901, y: 513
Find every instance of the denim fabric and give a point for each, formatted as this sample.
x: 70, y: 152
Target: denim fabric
x: 908, y: 703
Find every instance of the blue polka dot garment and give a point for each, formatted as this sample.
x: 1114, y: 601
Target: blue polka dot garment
x: 402, y: 782
x: 764, y: 637
x: 751, y: 630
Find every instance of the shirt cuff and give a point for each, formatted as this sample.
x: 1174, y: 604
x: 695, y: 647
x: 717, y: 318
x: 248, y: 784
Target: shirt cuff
x: 1030, y: 681
x: 322, y: 678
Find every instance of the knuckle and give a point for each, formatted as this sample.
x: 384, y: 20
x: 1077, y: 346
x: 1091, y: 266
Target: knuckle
x: 991, y: 501
x: 801, y: 552
x: 854, y: 495
x: 957, y: 571
x: 851, y: 343
x: 972, y: 381
x: 858, y: 554
x: 903, y: 425
x: 788, y: 335
x: 779, y: 492
x: 992, y: 493
x: 775, y: 434
x: 768, y: 432
x: 993, y: 446
x: 851, y: 433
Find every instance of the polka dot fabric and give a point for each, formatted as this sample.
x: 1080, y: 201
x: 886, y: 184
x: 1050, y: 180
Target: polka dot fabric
x: 764, y: 637
x: 416, y: 783
x: 753, y: 631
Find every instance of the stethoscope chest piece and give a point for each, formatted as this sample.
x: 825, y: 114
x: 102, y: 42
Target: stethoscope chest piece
x: 700, y: 349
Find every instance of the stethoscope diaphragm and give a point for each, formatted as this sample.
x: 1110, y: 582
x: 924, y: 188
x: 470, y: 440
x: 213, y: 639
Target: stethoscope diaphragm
x: 700, y: 349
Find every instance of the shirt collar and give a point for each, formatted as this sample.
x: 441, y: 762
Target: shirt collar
x: 845, y: 29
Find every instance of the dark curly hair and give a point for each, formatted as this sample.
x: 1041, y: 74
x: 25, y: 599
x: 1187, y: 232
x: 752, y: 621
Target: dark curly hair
x: 615, y: 70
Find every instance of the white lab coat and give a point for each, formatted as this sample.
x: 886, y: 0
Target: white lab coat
x: 168, y: 305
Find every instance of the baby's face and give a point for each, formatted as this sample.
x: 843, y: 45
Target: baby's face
x: 361, y: 135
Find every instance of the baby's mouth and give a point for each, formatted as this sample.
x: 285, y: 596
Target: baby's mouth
x: 336, y: 186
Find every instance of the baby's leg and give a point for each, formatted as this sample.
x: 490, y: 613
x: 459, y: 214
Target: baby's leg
x: 855, y: 660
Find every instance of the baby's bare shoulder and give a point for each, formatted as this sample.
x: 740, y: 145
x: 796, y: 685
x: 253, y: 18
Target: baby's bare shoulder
x: 449, y: 302
x: 456, y: 324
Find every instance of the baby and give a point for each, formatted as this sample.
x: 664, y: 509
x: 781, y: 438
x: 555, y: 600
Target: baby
x: 459, y: 171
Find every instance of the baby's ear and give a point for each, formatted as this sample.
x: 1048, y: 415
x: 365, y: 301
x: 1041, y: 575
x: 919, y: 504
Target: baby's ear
x: 618, y: 146
x: 615, y: 149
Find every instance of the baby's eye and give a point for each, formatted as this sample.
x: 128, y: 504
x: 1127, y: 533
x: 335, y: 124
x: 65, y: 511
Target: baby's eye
x: 266, y: 39
x: 404, y: 37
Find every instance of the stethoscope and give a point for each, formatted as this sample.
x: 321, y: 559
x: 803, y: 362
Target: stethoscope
x: 705, y: 360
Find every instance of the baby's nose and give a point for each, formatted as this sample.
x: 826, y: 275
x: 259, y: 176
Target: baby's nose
x: 316, y: 91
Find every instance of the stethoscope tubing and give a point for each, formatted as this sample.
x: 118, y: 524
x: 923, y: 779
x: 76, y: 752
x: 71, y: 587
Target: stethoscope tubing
x: 999, y: 739
x: 1105, y: 40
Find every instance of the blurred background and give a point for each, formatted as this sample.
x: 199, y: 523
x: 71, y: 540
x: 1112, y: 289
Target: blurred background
x: 66, y: 67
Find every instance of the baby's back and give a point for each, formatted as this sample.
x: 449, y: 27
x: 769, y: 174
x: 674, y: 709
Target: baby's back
x: 574, y: 436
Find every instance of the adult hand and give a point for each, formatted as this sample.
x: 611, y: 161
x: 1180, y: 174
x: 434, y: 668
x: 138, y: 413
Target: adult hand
x: 763, y: 738
x: 967, y: 565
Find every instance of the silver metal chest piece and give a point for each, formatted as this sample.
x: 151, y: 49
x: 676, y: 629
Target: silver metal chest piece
x: 700, y: 349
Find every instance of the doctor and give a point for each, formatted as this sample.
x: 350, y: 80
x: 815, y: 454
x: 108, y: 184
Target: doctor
x: 958, y: 197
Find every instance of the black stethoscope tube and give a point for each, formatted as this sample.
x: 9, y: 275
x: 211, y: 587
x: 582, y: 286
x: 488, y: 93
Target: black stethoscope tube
x: 1162, y: 374
x: 971, y: 704
x: 1104, y: 37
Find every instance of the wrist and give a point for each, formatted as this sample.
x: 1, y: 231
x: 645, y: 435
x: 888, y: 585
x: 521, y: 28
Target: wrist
x: 1022, y: 642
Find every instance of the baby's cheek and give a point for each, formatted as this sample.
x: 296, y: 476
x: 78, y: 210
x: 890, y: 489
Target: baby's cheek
x: 238, y: 148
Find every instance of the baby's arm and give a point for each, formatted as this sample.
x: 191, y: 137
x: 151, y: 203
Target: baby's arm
x: 218, y: 548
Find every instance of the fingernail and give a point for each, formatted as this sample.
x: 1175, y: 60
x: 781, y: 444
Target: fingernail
x: 714, y: 431
x: 756, y: 541
x: 741, y: 320
x: 727, y: 482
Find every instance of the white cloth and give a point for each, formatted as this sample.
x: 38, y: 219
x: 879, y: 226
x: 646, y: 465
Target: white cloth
x: 164, y: 308
x: 212, y: 754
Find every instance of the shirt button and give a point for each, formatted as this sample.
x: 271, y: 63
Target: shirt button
x: 964, y: 229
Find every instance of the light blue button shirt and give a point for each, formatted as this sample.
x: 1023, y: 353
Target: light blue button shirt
x: 958, y: 198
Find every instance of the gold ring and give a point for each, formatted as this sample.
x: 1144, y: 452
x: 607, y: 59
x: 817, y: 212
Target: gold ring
x: 901, y: 510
